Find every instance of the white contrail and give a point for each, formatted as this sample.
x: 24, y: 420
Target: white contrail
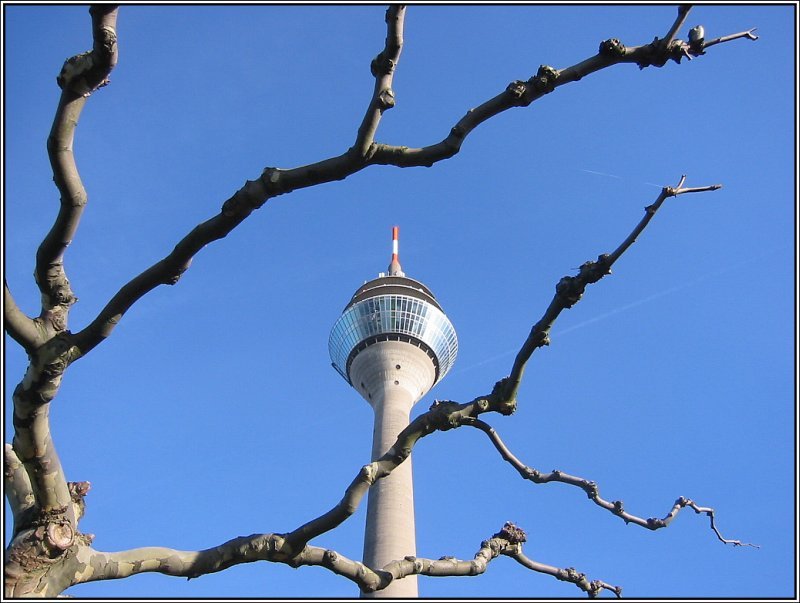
x: 601, y: 173
x: 575, y: 327
x: 623, y: 308
x: 639, y: 302
x: 618, y: 177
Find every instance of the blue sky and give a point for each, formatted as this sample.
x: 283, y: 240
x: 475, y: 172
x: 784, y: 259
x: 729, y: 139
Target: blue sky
x: 213, y: 412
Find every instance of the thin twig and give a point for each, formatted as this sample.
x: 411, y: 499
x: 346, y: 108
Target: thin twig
x: 710, y: 512
x: 742, y: 34
x: 593, y: 491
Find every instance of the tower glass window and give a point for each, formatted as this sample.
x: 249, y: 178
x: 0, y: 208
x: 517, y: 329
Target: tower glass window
x: 414, y: 320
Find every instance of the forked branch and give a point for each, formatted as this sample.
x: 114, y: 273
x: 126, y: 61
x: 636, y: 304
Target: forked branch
x: 40, y: 495
x: 366, y: 151
x: 447, y: 415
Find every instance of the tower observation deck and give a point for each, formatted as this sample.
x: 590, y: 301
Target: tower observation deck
x: 392, y: 344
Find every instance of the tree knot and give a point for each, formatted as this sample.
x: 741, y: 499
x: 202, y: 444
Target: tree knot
x: 56, y: 355
x: 545, y: 79
x: 516, y: 90
x: 54, y: 532
x: 369, y: 473
x: 500, y: 388
x: 570, y: 574
x: 381, y: 65
x: 593, y: 271
x: 512, y: 533
x: 108, y: 40
x: 612, y: 48
x: 444, y: 414
x: 386, y: 99
x: 659, y: 51
x: 329, y: 558
x: 655, y: 523
x: 570, y: 290
x: 532, y: 474
x: 86, y: 72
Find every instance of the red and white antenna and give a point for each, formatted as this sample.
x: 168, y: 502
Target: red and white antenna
x: 394, y: 266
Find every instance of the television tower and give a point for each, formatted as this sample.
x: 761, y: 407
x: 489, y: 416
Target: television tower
x: 392, y: 344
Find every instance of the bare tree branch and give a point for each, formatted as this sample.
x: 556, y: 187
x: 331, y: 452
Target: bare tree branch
x: 275, y: 181
x: 254, y: 194
x: 523, y: 93
x: 34, y: 445
x: 592, y: 490
x: 371, y: 580
x: 293, y: 547
x: 79, y: 77
x: 742, y: 34
x: 569, y: 289
x: 382, y: 68
x: 710, y: 512
x: 91, y: 565
x: 18, y: 325
x: 32, y: 442
x: 189, y: 564
x: 447, y: 415
x: 570, y: 574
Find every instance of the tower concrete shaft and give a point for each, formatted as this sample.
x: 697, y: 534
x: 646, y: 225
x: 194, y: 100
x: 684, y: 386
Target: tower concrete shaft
x: 391, y: 376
